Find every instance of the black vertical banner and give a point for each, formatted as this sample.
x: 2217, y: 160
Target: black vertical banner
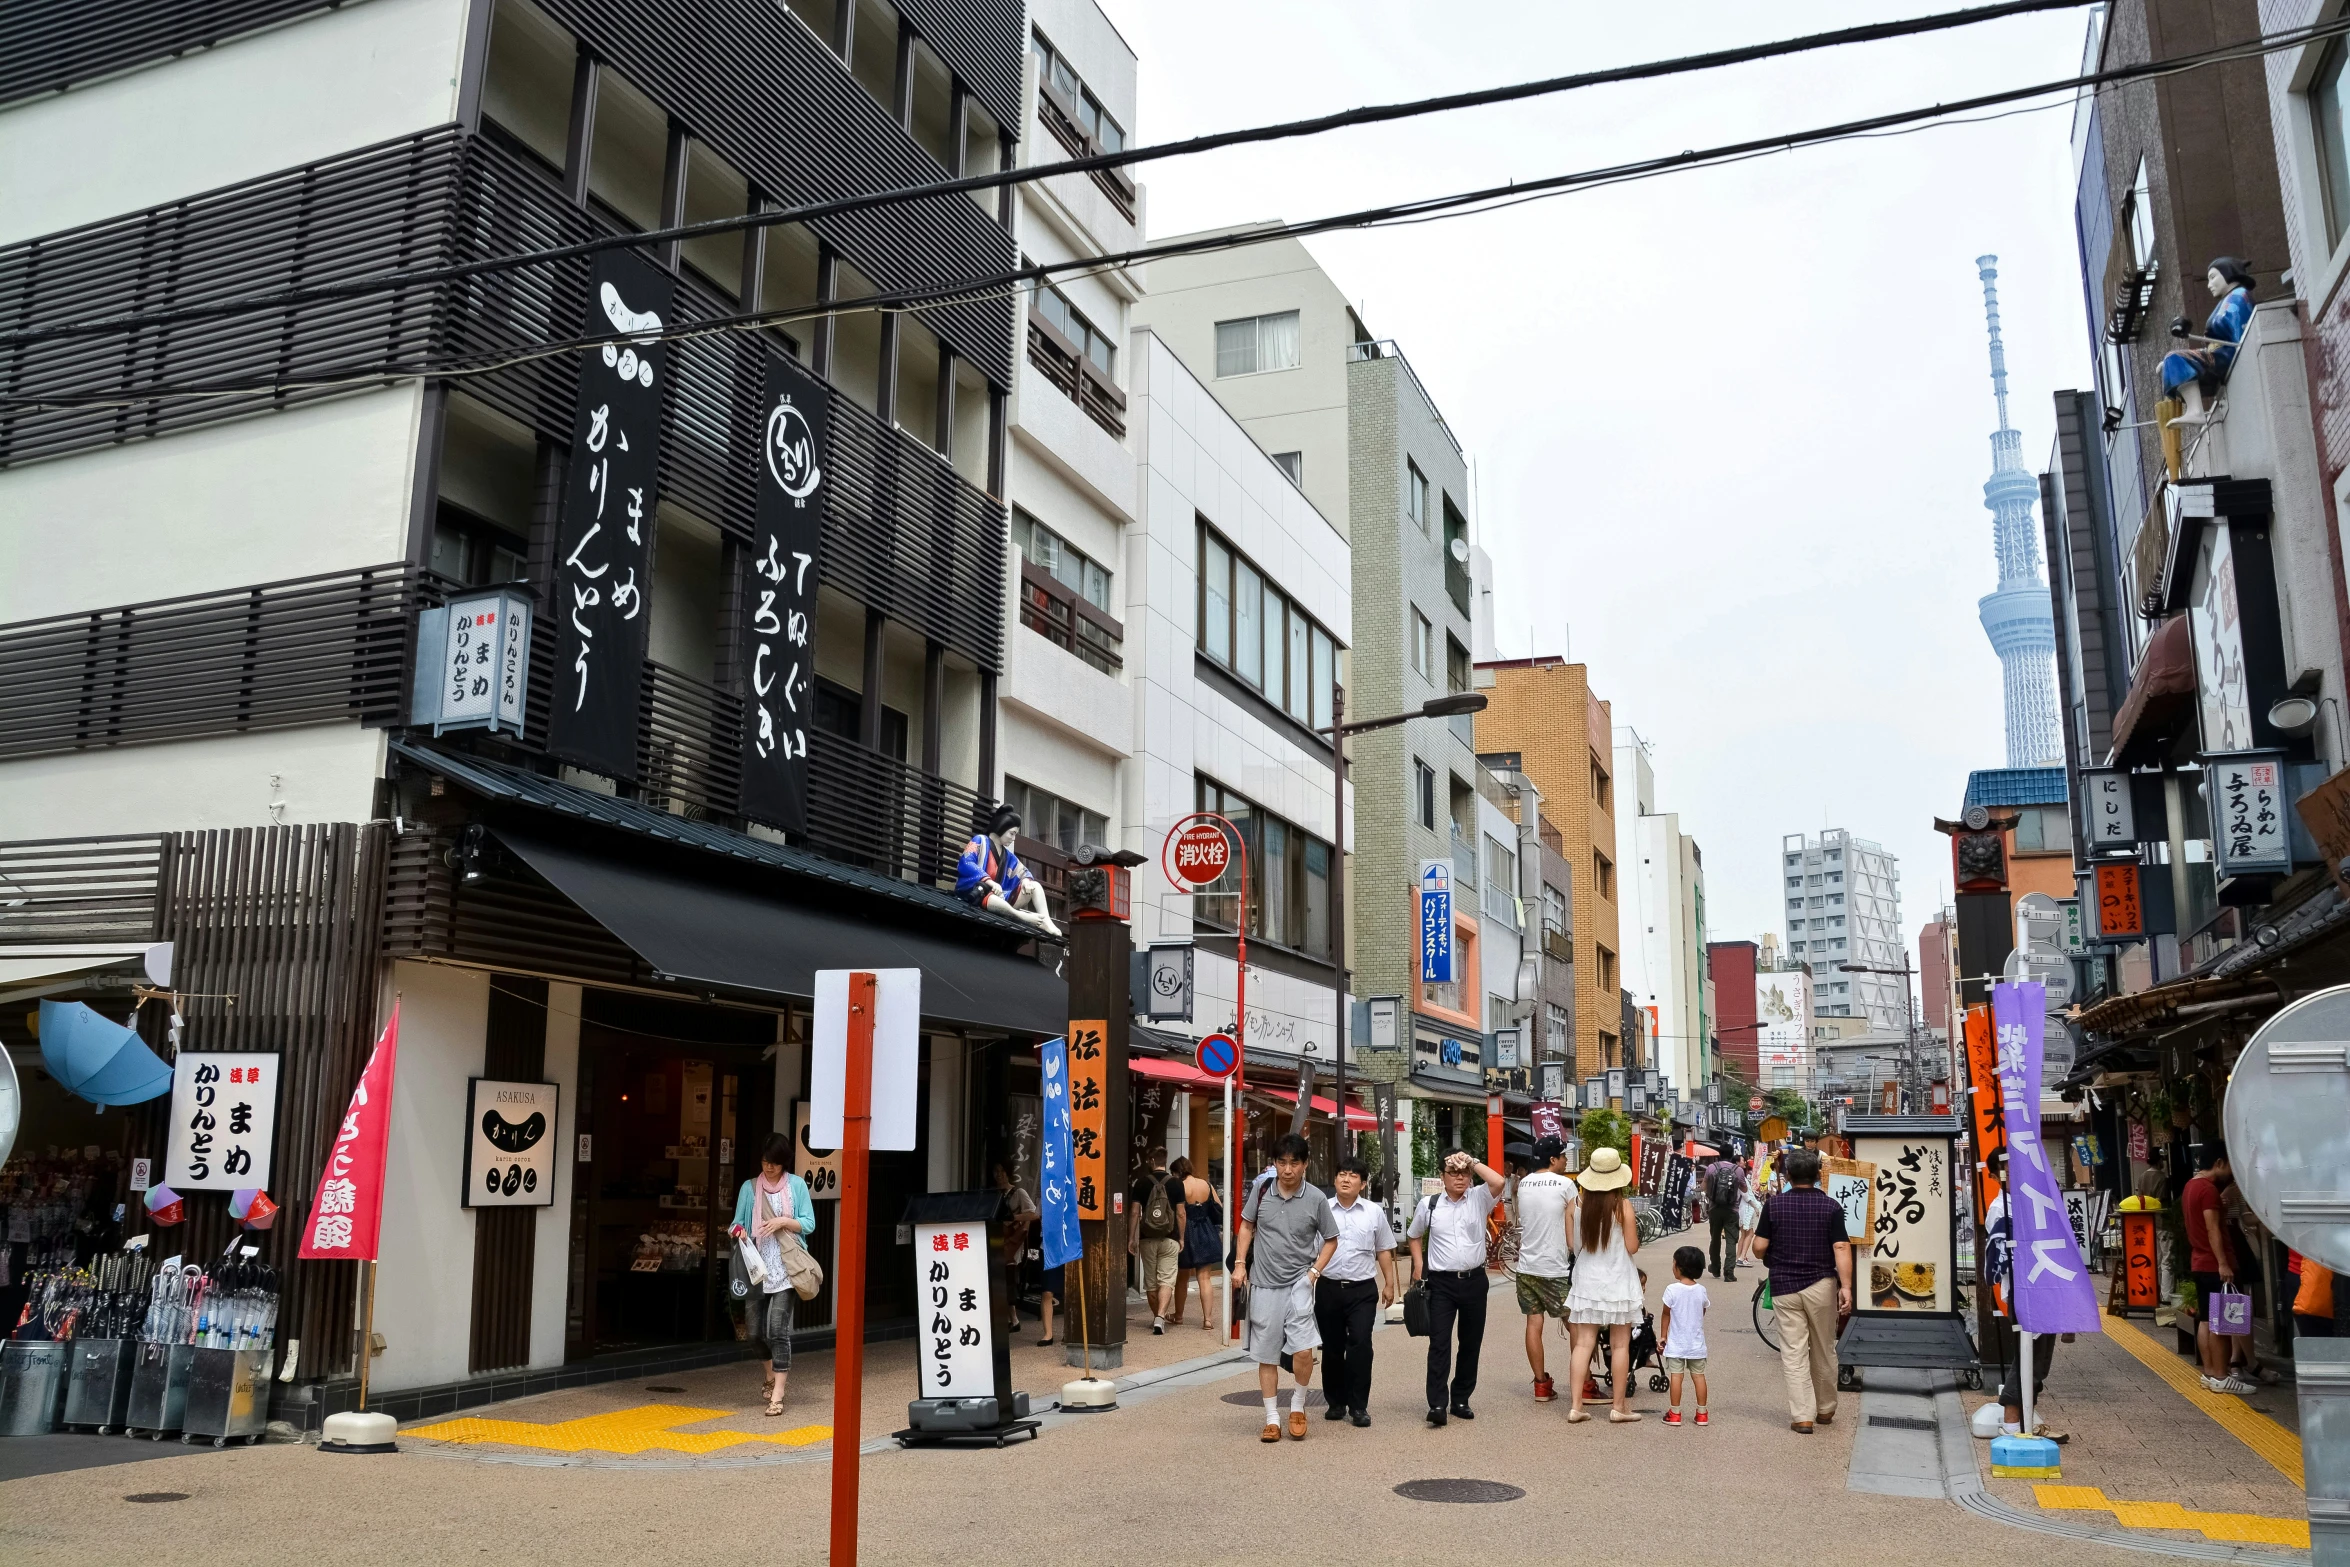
x: 604, y: 548
x: 779, y: 609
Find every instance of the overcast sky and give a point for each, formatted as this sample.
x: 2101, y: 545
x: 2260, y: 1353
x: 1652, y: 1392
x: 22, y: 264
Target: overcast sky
x: 1730, y: 428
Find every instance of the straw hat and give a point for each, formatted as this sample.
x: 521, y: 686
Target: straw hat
x: 1604, y: 1171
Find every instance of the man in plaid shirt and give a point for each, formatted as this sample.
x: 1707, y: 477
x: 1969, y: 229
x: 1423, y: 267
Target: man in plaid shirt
x: 1802, y: 1240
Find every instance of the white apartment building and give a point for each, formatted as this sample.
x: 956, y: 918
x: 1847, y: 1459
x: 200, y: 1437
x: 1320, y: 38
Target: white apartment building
x: 1662, y: 915
x: 1066, y: 709
x: 1844, y: 907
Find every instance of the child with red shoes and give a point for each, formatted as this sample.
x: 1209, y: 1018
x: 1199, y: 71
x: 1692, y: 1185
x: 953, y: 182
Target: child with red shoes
x: 1684, y: 1351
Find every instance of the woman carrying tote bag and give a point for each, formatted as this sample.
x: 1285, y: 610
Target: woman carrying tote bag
x: 773, y: 1211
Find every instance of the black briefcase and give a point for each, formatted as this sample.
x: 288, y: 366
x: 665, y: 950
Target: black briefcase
x: 1415, y: 1309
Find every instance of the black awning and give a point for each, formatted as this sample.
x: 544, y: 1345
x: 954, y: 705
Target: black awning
x: 709, y: 933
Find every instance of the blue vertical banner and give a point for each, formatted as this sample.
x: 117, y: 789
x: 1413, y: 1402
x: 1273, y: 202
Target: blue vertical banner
x: 2052, y: 1291
x: 1057, y: 1175
x: 1436, y: 943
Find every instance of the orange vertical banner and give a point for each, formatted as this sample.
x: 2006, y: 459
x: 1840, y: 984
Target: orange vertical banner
x: 1088, y: 1130
x: 1990, y: 1118
x: 2143, y: 1292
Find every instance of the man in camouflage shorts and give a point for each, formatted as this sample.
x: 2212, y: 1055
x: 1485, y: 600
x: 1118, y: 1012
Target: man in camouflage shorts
x: 1544, y: 1263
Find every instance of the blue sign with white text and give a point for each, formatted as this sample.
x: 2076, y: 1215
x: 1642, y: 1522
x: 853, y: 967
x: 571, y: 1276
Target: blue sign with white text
x: 1436, y: 940
x: 1057, y: 1159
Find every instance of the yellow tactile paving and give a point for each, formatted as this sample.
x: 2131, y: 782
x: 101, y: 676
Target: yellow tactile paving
x: 2275, y: 1443
x: 2237, y: 1528
x: 643, y: 1429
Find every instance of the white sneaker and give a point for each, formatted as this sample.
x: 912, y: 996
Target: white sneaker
x: 2231, y: 1385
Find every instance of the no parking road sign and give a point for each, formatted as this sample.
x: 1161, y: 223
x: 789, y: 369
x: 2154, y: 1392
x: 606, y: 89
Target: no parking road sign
x: 1218, y: 1054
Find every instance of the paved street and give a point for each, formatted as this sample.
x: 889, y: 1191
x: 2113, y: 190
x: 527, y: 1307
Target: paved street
x: 1181, y: 1462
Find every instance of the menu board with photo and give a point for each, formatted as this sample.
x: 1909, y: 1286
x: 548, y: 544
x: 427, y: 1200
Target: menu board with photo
x: 1910, y: 1263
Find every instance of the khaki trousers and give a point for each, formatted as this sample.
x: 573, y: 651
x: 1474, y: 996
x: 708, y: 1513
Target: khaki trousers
x: 1807, y: 1330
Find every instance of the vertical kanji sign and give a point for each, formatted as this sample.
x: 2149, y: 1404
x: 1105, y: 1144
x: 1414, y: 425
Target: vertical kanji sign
x: 2250, y: 824
x: 223, y: 1121
x: 779, y: 598
x: 346, y: 1217
x: 1989, y: 1118
x: 1088, y: 1127
x: 2119, y: 912
x: 958, y: 1354
x: 1056, y: 1193
x: 604, y: 548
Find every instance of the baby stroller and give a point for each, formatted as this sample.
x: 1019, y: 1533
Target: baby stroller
x: 1644, y: 1353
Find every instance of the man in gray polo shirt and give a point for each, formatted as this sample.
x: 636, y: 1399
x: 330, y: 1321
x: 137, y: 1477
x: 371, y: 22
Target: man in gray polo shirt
x: 1287, y: 1236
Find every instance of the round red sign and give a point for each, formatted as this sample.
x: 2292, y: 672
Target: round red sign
x: 1754, y: 1103
x: 1196, y: 856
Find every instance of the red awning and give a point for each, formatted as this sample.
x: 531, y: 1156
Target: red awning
x: 1172, y: 1070
x: 1357, y: 1117
x: 2161, y: 701
x: 1701, y: 1148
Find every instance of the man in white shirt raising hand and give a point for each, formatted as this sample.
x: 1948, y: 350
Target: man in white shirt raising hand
x: 1448, y: 1250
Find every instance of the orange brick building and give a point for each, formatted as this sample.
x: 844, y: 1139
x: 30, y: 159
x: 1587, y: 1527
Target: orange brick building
x: 1542, y: 711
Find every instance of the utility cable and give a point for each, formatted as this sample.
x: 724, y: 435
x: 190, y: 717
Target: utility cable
x: 1422, y: 209
x: 1125, y: 158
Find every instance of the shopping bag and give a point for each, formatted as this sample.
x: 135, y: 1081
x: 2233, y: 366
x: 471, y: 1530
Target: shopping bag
x: 745, y: 1271
x: 2231, y: 1313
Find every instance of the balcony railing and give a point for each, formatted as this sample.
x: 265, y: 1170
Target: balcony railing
x: 870, y: 809
x: 1060, y: 117
x: 1076, y: 376
x: 1067, y: 620
x: 688, y: 744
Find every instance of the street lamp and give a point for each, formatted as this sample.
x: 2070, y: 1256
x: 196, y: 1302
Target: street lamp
x: 1909, y: 1010
x: 1457, y: 704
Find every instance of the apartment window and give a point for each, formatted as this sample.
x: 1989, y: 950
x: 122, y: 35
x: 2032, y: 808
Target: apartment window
x: 1292, y: 464
x: 1456, y: 665
x: 1048, y: 818
x: 1554, y: 1028
x: 2329, y: 113
x: 2138, y: 219
x: 1251, y: 627
x: 1084, y: 339
x: 715, y: 189
x: 1607, y: 969
x: 526, y: 89
x: 1066, y: 92
x: 789, y: 257
x: 1603, y: 875
x: 1423, y: 641
x: 1048, y: 552
x: 873, y: 50
x: 934, y: 106
x: 1554, y: 911
x: 1599, y: 784
x: 1253, y: 345
x: 1794, y: 881
x: 1424, y: 793
x: 1795, y: 924
x: 1289, y: 877
x: 1415, y: 492
x: 628, y: 156
x: 474, y: 552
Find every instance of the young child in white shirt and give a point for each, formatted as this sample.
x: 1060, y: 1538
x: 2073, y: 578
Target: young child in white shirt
x: 1684, y: 1351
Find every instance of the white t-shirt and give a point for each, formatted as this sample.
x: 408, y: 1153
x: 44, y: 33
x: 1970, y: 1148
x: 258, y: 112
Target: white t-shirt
x: 1542, y: 1224
x: 1687, y: 1303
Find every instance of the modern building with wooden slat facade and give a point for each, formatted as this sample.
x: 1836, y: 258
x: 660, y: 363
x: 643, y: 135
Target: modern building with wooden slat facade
x: 283, y: 372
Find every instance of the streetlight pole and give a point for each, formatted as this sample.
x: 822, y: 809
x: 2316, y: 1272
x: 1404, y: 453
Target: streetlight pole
x: 1909, y: 1012
x: 1438, y: 707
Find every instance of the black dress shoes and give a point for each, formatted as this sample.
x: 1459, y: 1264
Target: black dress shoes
x: 1436, y: 1417
x: 1462, y: 1411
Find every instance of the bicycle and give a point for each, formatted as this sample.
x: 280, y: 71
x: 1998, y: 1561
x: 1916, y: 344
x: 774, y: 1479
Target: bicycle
x: 1766, y: 1323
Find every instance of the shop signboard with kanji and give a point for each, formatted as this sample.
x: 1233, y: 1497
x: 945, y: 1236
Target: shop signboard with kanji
x: 950, y: 1262
x: 1088, y: 1128
x: 2119, y: 909
x: 510, y: 1144
x: 778, y: 615
x: 223, y: 1121
x: 2250, y: 835
x: 1909, y: 1261
x: 1436, y: 933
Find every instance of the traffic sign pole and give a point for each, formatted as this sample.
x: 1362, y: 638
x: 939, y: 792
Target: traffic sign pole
x: 848, y: 1291
x: 1206, y: 842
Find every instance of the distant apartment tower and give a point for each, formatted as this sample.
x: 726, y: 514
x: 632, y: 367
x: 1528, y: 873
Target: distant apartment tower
x: 1844, y: 907
x: 1663, y: 920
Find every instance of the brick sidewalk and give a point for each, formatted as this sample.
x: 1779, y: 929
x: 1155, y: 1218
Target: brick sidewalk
x: 2137, y: 1437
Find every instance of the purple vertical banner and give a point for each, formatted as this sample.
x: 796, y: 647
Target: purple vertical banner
x: 1056, y: 1178
x: 2051, y: 1289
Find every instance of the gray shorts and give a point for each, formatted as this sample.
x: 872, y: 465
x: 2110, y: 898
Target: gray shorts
x: 1281, y: 1321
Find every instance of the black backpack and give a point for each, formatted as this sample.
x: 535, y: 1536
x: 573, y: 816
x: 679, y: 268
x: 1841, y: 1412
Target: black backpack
x: 1158, y: 1214
x: 1721, y: 1188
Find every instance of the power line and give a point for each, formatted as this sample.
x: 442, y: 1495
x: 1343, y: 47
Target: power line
x: 1423, y: 209
x: 1125, y: 158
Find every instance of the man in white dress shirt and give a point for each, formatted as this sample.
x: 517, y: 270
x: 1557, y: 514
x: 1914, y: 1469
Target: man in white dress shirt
x: 1448, y: 1251
x: 1355, y: 1288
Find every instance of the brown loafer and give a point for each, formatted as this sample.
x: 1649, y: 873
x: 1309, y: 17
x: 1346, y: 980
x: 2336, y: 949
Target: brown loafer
x: 1297, y: 1425
x: 1803, y: 1426
x: 1271, y: 1433
x: 1827, y: 1419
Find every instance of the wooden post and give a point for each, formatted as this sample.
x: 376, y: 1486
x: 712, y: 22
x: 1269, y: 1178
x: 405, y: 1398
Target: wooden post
x: 848, y: 1283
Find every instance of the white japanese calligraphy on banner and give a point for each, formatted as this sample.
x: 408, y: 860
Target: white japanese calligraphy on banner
x: 223, y: 1121
x: 958, y: 1353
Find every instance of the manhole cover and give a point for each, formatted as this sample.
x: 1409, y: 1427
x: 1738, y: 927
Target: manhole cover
x: 1902, y: 1422
x: 157, y: 1496
x: 662, y: 1387
x: 1314, y: 1399
x: 1458, y: 1491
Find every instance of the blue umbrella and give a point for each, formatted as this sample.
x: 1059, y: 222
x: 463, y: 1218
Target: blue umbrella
x: 103, y: 1062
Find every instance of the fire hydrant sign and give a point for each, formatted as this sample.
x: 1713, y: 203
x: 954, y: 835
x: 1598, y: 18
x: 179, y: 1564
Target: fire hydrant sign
x: 950, y: 1263
x: 223, y: 1121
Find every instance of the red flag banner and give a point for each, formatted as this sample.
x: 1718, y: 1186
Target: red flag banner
x: 347, y: 1214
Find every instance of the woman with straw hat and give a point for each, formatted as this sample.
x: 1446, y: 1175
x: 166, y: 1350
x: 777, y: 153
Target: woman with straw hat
x: 1606, y: 1291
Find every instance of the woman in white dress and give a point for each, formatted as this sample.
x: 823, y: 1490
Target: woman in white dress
x: 1606, y: 1292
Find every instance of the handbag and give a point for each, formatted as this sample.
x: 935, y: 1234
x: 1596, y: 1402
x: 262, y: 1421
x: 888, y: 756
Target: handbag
x: 2231, y: 1313
x: 1415, y: 1309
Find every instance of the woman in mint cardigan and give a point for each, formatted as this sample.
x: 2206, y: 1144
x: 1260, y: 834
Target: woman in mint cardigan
x: 770, y: 1204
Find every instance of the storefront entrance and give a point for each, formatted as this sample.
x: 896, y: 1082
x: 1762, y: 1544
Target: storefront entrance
x: 668, y: 1130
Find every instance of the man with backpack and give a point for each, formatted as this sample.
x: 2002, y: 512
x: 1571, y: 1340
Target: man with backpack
x: 1156, y: 1236
x: 1725, y: 1186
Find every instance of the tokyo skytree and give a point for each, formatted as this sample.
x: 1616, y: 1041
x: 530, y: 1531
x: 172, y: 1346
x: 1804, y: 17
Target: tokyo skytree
x: 2017, y: 617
